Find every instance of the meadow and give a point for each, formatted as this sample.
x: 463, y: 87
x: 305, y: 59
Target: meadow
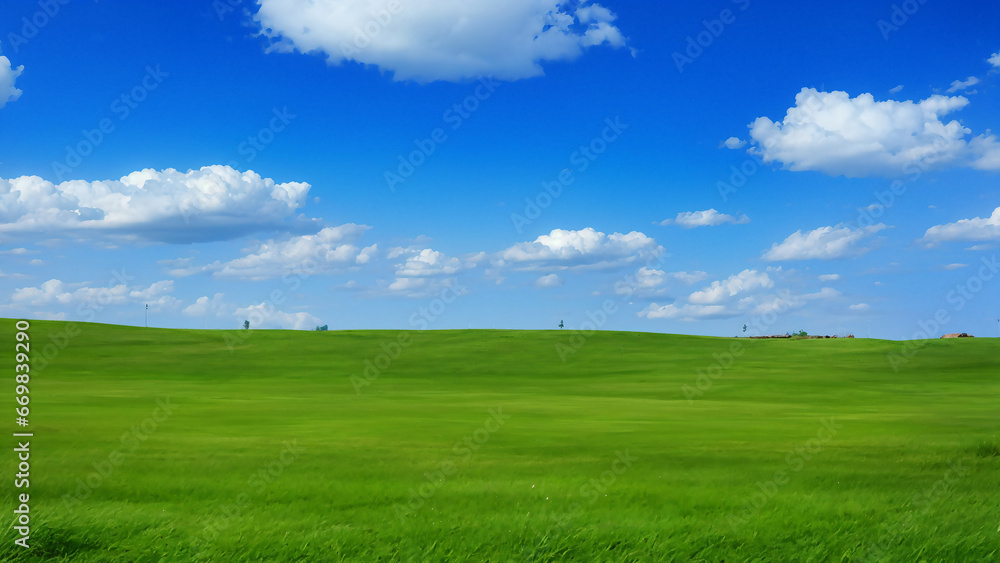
x: 485, y: 445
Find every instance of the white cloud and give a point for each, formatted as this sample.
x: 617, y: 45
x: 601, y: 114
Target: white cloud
x: 583, y: 249
x: 265, y: 315
x: 689, y: 277
x: 8, y: 76
x: 962, y: 84
x: 687, y: 312
x: 423, y: 271
x: 152, y: 292
x: 707, y: 218
x: 975, y: 229
x: 77, y: 296
x: 744, y: 282
x: 331, y: 248
x: 750, y: 292
x: 734, y: 143
x: 955, y: 266
x: 415, y: 288
x: 896, y: 89
x: 994, y: 59
x: 833, y: 133
x: 824, y: 243
x: 860, y: 307
x: 785, y: 300
x: 428, y: 262
x: 206, y: 306
x: 649, y: 278
x: 829, y: 277
x: 551, y: 280
x: 446, y: 40
x: 210, y: 204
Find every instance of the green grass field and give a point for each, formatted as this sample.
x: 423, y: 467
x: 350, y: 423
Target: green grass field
x: 165, y: 445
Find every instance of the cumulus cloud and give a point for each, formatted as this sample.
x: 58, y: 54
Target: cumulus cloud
x: 429, y: 262
x: 650, y: 282
x: 210, y: 204
x: 962, y: 84
x: 994, y: 59
x: 824, y: 243
x: 833, y: 133
x: 860, y: 307
x: 265, y: 315
x: 734, y: 143
x: 583, y: 249
x: 76, y: 296
x: 687, y: 312
x: 206, y: 306
x: 746, y: 301
x: 329, y: 249
x: 744, y: 282
x: 551, y: 280
x: 720, y: 299
x: 829, y: 277
x: 425, y: 271
x: 975, y: 229
x: 8, y: 76
x: 446, y: 40
x: 707, y: 218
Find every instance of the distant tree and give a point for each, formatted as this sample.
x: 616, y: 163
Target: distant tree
x: 561, y: 325
x: 800, y: 333
x: 322, y: 328
x: 246, y: 325
x: 744, y: 328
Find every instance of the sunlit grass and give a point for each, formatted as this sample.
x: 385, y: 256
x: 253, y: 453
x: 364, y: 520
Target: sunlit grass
x: 272, y: 452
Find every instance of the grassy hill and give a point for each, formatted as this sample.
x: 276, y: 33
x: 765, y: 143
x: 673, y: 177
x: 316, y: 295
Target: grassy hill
x: 182, y: 445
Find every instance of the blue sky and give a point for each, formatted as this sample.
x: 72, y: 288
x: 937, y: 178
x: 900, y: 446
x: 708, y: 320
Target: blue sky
x: 392, y: 164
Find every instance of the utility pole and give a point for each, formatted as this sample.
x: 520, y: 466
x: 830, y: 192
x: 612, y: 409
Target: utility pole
x: 147, y: 315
